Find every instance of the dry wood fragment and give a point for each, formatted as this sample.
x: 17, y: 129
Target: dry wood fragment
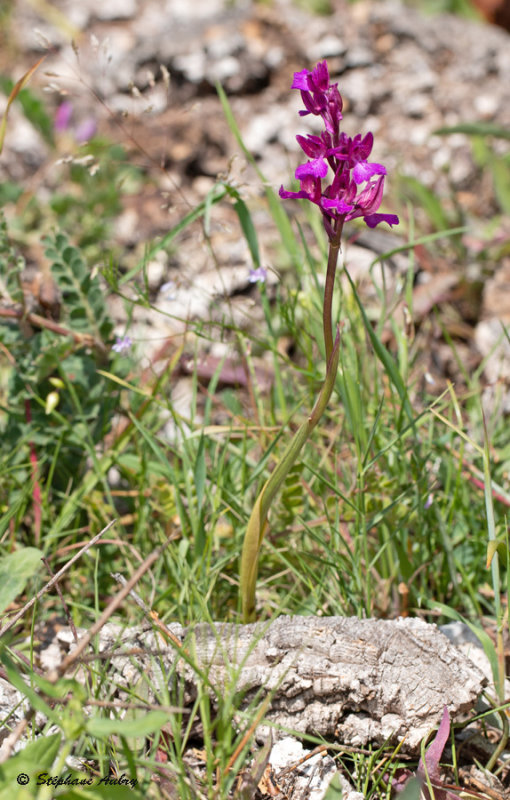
x: 358, y: 681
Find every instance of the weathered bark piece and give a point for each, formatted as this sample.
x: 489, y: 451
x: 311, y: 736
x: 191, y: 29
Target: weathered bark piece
x: 356, y: 680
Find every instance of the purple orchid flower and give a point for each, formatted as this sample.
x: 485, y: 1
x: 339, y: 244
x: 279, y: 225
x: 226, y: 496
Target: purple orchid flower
x: 346, y: 157
x: 319, y: 96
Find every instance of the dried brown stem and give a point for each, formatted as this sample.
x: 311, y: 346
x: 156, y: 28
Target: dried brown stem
x: 41, y: 322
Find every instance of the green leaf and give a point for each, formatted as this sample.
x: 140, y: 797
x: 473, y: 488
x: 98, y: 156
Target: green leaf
x: 15, y: 571
x: 61, y: 688
x: 248, y: 228
x: 11, y: 268
x: 428, y: 200
x: 412, y: 790
x: 334, y: 790
x: 384, y: 356
x: 200, y: 472
x: 501, y: 179
x: 149, y: 723
x: 150, y: 439
x: 257, y: 524
x: 36, y: 757
x: 476, y: 129
x: 83, y: 301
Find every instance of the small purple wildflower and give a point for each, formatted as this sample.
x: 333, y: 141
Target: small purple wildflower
x: 258, y: 275
x: 63, y: 116
x: 122, y: 344
x: 85, y: 130
x: 168, y: 290
x: 333, y: 150
x: 82, y: 132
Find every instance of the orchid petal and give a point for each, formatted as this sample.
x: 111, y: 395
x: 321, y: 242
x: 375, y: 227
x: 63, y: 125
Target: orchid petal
x: 320, y: 76
x: 317, y: 168
x: 374, y: 219
x: 313, y: 146
x: 338, y: 205
x: 285, y: 195
x: 366, y: 145
x: 370, y: 197
x: 301, y: 80
x: 363, y: 171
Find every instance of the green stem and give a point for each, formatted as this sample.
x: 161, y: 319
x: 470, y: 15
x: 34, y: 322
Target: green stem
x: 502, y: 742
x: 288, y: 459
x: 257, y: 522
x: 327, y: 315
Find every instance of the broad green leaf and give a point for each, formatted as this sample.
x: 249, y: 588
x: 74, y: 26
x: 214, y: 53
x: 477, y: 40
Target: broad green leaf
x: 15, y: 570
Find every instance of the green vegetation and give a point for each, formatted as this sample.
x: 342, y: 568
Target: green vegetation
x: 397, y: 504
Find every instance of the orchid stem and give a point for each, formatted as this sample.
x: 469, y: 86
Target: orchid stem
x: 327, y: 316
x: 258, y: 520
